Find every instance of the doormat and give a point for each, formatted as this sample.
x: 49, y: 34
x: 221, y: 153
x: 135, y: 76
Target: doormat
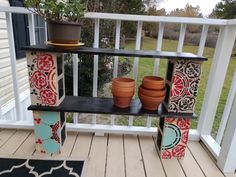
x: 40, y: 168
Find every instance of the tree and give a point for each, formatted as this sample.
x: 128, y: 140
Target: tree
x: 151, y: 29
x: 225, y: 9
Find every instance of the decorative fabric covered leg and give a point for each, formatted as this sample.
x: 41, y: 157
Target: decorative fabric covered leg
x: 182, y: 82
x: 49, y: 131
x: 175, y: 138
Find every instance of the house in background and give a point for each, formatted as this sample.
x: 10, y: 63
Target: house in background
x: 21, y: 38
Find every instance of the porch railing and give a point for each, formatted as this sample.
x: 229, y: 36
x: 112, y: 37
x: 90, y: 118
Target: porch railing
x: 222, y: 147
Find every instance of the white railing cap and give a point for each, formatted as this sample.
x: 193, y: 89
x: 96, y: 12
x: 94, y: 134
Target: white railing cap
x: 143, y: 18
x: 165, y: 19
x: 18, y: 10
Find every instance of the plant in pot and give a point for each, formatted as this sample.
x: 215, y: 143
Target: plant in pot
x: 63, y: 18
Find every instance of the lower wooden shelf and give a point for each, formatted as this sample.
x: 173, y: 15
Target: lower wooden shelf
x: 105, y: 106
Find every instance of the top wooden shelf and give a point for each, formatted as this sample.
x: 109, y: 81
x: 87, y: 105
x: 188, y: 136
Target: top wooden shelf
x: 117, y: 52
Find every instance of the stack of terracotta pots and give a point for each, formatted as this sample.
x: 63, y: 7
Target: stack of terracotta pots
x: 123, y: 91
x: 152, y: 92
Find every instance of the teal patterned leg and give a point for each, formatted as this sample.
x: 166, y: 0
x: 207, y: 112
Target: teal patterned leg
x: 49, y: 131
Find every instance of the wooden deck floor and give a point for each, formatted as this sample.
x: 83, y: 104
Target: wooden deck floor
x: 116, y: 155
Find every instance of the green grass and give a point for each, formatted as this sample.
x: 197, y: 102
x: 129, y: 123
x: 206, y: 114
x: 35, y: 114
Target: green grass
x: 146, y: 68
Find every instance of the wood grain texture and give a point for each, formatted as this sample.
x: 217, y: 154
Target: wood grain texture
x: 172, y: 168
x: 5, y: 135
x: 82, y: 145
x: 204, y: 160
x: 97, y: 157
x: 151, y: 158
x: 133, y: 158
x: 27, y: 148
x: 190, y: 166
x: 14, y: 142
x: 115, y: 157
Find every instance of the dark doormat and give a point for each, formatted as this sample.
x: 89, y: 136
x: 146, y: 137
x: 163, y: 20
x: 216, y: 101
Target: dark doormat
x: 10, y: 167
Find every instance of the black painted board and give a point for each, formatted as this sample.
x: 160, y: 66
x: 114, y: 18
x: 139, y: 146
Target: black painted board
x: 117, y: 52
x: 105, y: 106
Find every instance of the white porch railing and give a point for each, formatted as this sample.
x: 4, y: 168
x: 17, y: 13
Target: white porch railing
x: 223, y: 152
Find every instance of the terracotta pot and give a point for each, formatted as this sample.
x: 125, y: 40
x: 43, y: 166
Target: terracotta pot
x: 122, y: 102
x: 123, y: 82
x: 153, y: 82
x: 63, y: 32
x: 150, y: 103
x: 122, y: 91
x: 152, y: 93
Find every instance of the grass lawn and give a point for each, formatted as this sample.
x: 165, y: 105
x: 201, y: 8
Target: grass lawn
x: 146, y: 68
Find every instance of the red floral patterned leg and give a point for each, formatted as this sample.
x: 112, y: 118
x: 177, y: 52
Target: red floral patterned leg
x: 183, y: 79
x: 175, y: 138
x: 43, y: 78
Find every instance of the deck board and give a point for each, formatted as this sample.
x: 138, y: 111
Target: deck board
x: 204, y: 160
x: 27, y: 148
x: 133, y: 158
x: 190, y: 166
x: 82, y: 145
x: 115, y: 155
x: 151, y: 158
x: 173, y: 168
x: 5, y: 135
x: 14, y: 142
x: 97, y: 157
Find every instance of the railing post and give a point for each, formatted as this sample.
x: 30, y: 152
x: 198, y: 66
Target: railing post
x: 13, y: 66
x: 95, y: 64
x: 117, y: 46
x: 181, y: 37
x: 137, y: 47
x: 217, y: 74
x: 0, y: 109
x: 227, y: 158
x: 229, y: 103
x: 31, y: 29
x: 116, y: 59
x: 203, y: 40
x: 75, y: 83
x: 158, y: 48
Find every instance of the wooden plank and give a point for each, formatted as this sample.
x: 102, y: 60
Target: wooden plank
x: 28, y: 147
x: 190, y: 166
x: 172, y: 168
x: 133, y: 158
x: 115, y: 157
x: 14, y: 142
x: 119, y: 52
x: 97, y: 157
x: 5, y: 135
x: 106, y: 106
x: 204, y: 160
x: 151, y: 158
x: 82, y: 145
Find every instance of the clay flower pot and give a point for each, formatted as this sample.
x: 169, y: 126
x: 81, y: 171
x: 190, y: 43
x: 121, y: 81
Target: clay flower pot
x: 123, y: 91
x: 150, y: 103
x: 153, y: 82
x: 152, y: 93
x: 123, y: 82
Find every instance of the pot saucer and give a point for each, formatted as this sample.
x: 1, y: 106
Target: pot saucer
x: 60, y: 45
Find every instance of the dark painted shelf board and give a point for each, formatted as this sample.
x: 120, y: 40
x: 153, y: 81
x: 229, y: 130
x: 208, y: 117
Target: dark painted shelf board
x: 105, y: 106
x: 117, y: 52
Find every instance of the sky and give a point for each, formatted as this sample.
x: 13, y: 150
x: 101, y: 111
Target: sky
x: 206, y: 6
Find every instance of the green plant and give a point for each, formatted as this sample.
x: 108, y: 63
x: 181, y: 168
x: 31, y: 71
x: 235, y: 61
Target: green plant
x: 58, y: 10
